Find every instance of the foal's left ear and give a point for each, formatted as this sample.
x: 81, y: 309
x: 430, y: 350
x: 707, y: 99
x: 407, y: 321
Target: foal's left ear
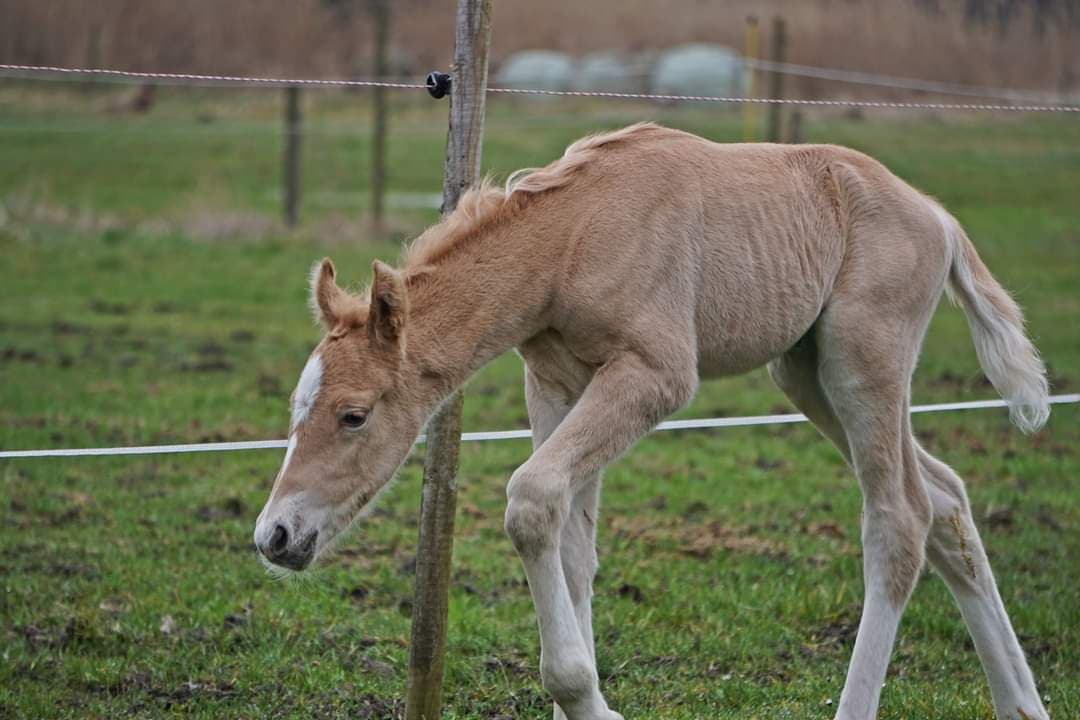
x: 389, y: 304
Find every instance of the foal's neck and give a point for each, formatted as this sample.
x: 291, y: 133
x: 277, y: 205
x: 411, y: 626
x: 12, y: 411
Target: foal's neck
x: 484, y: 296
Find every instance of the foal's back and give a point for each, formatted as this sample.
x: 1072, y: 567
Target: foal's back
x: 731, y: 251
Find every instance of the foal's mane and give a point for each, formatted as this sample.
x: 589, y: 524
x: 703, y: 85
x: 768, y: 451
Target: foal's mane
x: 488, y: 203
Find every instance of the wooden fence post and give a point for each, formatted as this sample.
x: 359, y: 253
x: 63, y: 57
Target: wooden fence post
x: 439, y: 499
x: 749, y: 111
x: 795, y: 131
x: 380, y: 10
x: 291, y: 170
x: 778, y: 48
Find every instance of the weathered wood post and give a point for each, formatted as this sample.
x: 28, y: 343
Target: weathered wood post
x: 751, y: 53
x: 778, y: 48
x: 380, y: 12
x: 795, y: 132
x: 291, y: 169
x: 439, y: 499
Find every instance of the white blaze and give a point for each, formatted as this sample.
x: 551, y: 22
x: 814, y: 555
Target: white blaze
x: 288, y: 454
x: 306, y: 391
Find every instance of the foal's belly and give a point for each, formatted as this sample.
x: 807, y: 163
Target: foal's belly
x: 747, y: 334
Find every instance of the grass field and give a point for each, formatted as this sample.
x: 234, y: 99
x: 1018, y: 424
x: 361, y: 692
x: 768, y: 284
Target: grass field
x: 147, y: 295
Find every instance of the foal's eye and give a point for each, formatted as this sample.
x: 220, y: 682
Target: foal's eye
x: 353, y: 419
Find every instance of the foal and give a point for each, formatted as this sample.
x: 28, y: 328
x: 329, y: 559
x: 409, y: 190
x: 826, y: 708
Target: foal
x: 639, y: 262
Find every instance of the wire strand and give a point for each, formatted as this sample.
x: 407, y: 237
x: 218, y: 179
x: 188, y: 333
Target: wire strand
x: 695, y: 424
x: 193, y: 79
x: 900, y: 83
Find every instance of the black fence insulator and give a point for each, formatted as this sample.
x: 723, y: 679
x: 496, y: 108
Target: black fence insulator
x: 438, y: 84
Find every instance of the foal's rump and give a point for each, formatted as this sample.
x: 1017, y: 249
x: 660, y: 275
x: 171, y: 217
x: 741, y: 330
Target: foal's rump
x: 818, y: 222
x: 903, y: 248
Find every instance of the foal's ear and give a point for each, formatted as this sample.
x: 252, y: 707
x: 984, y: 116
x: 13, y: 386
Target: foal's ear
x: 389, y: 304
x: 330, y: 304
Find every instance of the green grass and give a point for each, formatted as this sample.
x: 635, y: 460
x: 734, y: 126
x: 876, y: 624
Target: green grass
x: 117, y: 330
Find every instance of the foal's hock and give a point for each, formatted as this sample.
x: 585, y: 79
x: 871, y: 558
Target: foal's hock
x: 624, y: 272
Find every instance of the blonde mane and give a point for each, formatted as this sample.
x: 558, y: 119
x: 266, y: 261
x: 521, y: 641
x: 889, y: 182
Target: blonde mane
x: 487, y: 203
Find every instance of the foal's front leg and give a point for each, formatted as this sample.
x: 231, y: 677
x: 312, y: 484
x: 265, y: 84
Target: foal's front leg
x: 625, y: 399
x: 548, y: 405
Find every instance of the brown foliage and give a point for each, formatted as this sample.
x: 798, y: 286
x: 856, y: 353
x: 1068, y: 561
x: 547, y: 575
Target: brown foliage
x: 1031, y: 46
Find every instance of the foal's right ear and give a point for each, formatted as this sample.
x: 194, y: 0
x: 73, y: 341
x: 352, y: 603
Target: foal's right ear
x: 330, y: 304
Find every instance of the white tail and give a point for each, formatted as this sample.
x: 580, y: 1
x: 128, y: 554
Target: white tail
x: 1007, y: 356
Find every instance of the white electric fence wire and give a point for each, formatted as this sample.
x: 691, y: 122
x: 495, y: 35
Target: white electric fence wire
x: 192, y: 78
x: 696, y: 424
x: 900, y: 83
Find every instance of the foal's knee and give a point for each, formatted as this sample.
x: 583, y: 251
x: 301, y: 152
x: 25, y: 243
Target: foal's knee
x: 536, y: 509
x: 569, y: 681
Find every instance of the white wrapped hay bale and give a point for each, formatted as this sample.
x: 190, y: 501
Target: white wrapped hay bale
x: 612, y: 72
x: 698, y: 70
x: 537, y: 70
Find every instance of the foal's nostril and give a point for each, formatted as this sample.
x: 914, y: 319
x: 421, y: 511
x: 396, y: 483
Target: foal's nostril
x: 279, y: 541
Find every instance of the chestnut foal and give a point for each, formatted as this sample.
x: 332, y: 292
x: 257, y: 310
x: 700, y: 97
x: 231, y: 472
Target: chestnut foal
x: 639, y: 262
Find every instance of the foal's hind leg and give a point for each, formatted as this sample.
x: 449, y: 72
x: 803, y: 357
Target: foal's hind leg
x: 953, y: 545
x: 796, y: 373
x: 865, y: 368
x: 956, y: 552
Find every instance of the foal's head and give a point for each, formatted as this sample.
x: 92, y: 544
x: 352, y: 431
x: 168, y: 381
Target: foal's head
x: 355, y: 414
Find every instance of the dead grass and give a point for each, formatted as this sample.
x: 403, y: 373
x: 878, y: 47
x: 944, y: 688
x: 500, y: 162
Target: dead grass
x: 918, y: 38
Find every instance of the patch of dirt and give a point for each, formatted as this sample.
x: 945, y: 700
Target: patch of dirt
x: 763, y: 463
x: 696, y: 539
x: 695, y: 510
x: 164, y: 307
x: 187, y: 691
x: 1047, y: 519
x: 631, y: 592
x: 104, y: 307
x: 404, y: 607
x: 358, y: 594
x: 65, y: 327
x: 509, y: 666
x: 839, y: 633
x: 233, y: 621
x: 269, y: 386
x: 215, y: 364
x: 242, y: 336
x: 526, y: 703
x: 227, y: 509
x: 824, y: 529
x: 738, y: 540
x: 21, y: 355
x: 999, y: 517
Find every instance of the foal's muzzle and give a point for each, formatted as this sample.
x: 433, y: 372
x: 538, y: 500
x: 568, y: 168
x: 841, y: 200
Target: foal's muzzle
x: 281, y: 547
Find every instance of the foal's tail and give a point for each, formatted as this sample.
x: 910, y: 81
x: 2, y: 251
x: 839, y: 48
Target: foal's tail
x: 1007, y: 356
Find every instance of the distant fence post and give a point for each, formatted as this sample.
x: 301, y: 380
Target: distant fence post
x: 777, y: 48
x: 427, y: 648
x: 751, y: 53
x: 380, y: 10
x: 291, y: 170
x: 795, y: 131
